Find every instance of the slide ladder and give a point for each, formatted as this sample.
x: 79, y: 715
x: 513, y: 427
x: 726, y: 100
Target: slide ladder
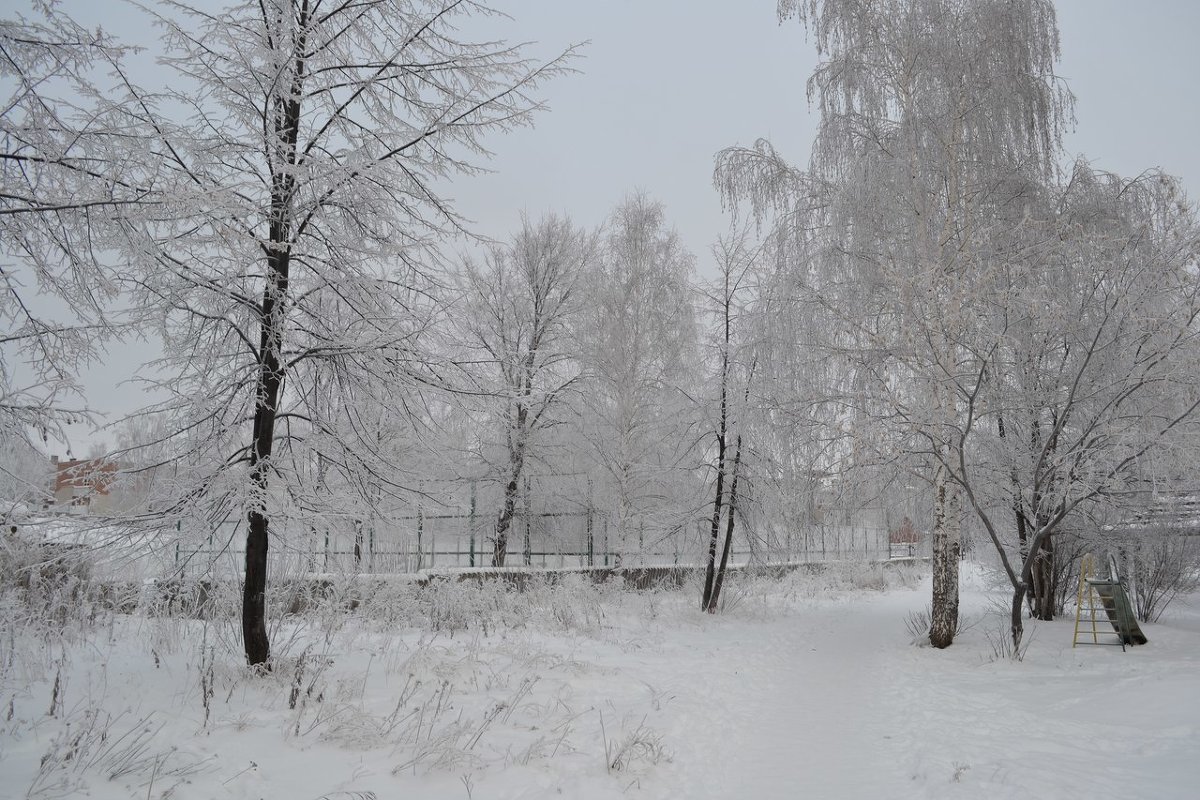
x: 1104, y: 598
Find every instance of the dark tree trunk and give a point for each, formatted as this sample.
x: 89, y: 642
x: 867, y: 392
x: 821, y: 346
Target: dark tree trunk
x: 715, y: 532
x: 1044, y: 585
x: 517, y: 437
x: 285, y: 123
x: 1042, y: 588
x: 1025, y: 584
x: 1018, y: 508
x: 254, y: 593
x: 504, y: 522
x: 730, y: 511
x: 722, y: 431
x: 714, y: 536
x: 269, y: 382
x: 1016, y: 612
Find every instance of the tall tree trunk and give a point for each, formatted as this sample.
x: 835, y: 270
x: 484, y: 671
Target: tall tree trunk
x: 715, y: 532
x: 285, y: 113
x: 1015, y: 615
x: 947, y: 553
x: 1044, y: 573
x: 722, y: 437
x: 624, y: 514
x: 269, y: 383
x: 504, y: 522
x: 730, y: 511
x: 517, y: 435
x: 516, y: 466
x: 1017, y: 506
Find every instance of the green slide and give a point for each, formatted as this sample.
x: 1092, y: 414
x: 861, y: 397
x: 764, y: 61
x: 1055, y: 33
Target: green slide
x: 1117, y: 606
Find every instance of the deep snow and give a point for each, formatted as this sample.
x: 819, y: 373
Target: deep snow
x: 805, y: 688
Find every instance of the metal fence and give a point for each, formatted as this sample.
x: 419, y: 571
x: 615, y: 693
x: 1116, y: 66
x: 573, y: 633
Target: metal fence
x: 547, y: 539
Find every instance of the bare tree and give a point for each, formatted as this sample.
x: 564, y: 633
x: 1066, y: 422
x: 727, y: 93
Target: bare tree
x: 638, y: 342
x: 68, y: 177
x: 521, y: 302
x: 735, y: 258
x: 290, y: 170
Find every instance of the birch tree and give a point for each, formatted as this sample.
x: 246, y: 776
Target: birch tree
x: 933, y: 114
x: 736, y: 258
x: 521, y: 304
x: 638, y: 342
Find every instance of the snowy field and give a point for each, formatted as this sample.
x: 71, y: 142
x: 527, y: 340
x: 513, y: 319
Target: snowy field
x: 809, y: 687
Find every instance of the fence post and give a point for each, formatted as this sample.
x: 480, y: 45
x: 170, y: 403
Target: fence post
x: 420, y: 531
x: 528, y: 546
x: 310, y: 551
x: 471, y: 528
x: 591, y: 542
x: 358, y: 543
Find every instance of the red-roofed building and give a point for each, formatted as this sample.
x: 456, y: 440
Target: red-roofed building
x: 83, y: 485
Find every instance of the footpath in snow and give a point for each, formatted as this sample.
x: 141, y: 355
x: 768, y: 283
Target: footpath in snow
x: 831, y: 700
x: 799, y: 706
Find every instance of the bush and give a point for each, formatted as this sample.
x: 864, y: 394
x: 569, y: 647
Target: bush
x: 1164, y: 566
x: 50, y: 580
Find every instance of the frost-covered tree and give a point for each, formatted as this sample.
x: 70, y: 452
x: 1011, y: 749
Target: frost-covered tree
x: 729, y: 299
x: 638, y: 343
x: 289, y: 173
x: 1085, y: 368
x: 520, y: 306
x: 69, y: 174
x: 934, y: 113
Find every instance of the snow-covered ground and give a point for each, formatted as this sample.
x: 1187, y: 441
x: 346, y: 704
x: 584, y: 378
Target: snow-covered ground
x: 809, y: 687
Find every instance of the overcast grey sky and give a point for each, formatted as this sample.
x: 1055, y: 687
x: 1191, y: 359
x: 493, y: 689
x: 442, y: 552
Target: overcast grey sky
x: 667, y: 83
x: 664, y: 84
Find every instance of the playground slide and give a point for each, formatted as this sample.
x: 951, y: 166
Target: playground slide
x: 1119, y: 610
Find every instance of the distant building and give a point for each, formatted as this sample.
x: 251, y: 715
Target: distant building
x: 83, y: 486
x: 903, y: 540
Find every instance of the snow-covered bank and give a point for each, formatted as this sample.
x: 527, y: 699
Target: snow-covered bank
x: 808, y: 687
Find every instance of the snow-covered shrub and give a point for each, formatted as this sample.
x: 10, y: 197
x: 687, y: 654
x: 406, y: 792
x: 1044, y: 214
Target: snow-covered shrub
x: 95, y: 743
x: 573, y: 602
x: 999, y: 639
x: 46, y: 607
x: 633, y: 748
x: 918, y: 623
x: 51, y: 581
x: 1164, y: 567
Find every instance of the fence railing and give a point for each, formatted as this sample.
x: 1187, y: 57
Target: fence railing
x: 551, y: 539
